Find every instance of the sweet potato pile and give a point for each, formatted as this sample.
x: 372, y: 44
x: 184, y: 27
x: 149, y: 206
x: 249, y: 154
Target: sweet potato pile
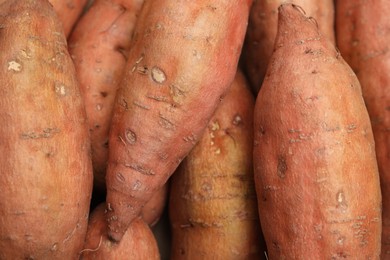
x: 177, y: 129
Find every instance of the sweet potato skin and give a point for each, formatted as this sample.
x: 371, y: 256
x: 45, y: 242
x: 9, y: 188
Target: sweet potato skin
x: 154, y: 208
x: 46, y: 170
x: 178, y: 67
x: 138, y: 242
x: 68, y: 12
x: 315, y: 169
x: 99, y: 49
x: 261, y: 33
x: 212, y: 195
x: 363, y: 40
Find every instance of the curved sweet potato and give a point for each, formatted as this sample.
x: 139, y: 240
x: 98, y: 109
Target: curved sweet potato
x: 363, y: 39
x: 178, y: 68
x: 213, y: 206
x: 99, y: 46
x: 261, y: 33
x: 137, y: 243
x: 316, y: 174
x: 46, y: 169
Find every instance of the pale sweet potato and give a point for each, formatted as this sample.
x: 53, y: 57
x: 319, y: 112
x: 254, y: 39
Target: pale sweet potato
x: 316, y: 174
x: 213, y: 206
x: 46, y: 169
x: 99, y: 46
x: 178, y: 68
x: 363, y: 40
x: 262, y: 27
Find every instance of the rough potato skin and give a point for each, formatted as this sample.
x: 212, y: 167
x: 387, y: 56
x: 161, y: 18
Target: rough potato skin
x: 46, y: 169
x: 316, y: 174
x: 213, y: 206
x: 363, y: 38
x: 262, y: 27
x: 178, y: 68
x: 137, y: 243
x: 99, y: 49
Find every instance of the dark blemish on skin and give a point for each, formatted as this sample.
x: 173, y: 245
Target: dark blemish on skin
x: 104, y: 94
x: 282, y: 167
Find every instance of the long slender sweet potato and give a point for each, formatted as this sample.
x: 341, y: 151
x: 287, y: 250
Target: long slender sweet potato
x: 262, y: 27
x: 316, y: 174
x: 46, y: 169
x: 68, y: 12
x: 213, y: 206
x: 99, y: 46
x: 178, y: 68
x: 363, y: 38
x: 138, y: 242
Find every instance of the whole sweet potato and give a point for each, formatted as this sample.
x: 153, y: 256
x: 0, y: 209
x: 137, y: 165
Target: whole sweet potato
x: 262, y: 27
x: 46, y: 169
x: 99, y: 46
x: 213, y: 206
x: 137, y: 243
x: 363, y: 39
x: 316, y: 174
x: 178, y: 68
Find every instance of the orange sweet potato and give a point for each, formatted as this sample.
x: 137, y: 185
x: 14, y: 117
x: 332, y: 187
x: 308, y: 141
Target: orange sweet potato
x: 99, y: 46
x: 212, y: 195
x: 178, y: 68
x: 138, y: 242
x: 363, y: 39
x: 262, y: 27
x: 46, y: 169
x: 316, y: 174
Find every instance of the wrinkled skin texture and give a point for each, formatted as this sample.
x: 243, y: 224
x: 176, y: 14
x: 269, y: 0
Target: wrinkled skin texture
x: 46, y: 169
x: 178, y: 68
x: 99, y: 49
x: 363, y: 39
x: 316, y: 174
x: 212, y: 196
x: 138, y: 242
x: 262, y: 27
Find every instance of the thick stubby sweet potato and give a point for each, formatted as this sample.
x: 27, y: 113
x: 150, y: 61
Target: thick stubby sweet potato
x: 178, y: 68
x: 363, y: 38
x: 68, y: 12
x: 99, y: 46
x: 213, y: 206
x: 262, y: 27
x: 316, y: 174
x: 137, y: 243
x: 46, y: 169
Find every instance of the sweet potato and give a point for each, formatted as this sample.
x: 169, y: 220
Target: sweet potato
x: 154, y: 208
x: 178, y: 68
x: 99, y: 46
x: 46, y: 169
x: 137, y: 243
x: 363, y: 38
x: 212, y: 195
x: 262, y: 27
x: 316, y: 174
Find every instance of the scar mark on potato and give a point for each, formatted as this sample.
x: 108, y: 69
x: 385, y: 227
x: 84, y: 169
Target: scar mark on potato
x: 131, y: 137
x: 14, y: 66
x: 60, y: 89
x: 165, y: 122
x: 140, y: 169
x: 45, y: 133
x: 158, y: 75
x: 237, y: 120
x: 282, y: 167
x: 138, y: 104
